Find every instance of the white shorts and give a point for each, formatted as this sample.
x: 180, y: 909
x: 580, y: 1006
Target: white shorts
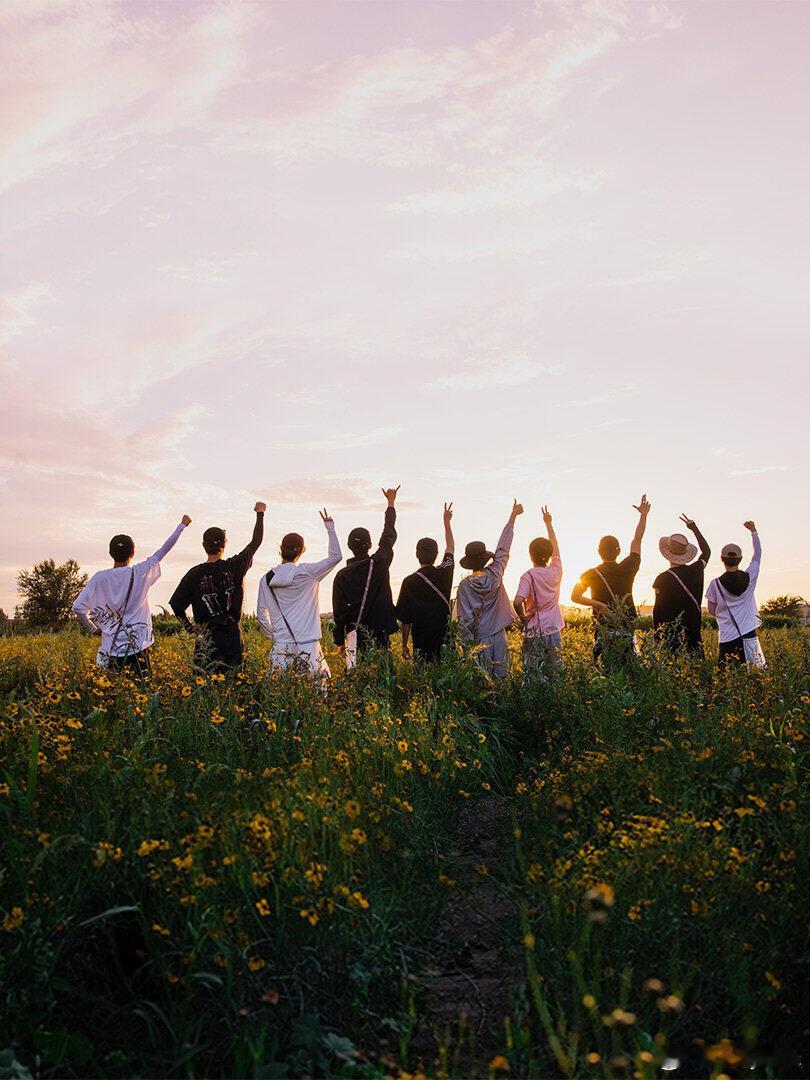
x: 306, y: 657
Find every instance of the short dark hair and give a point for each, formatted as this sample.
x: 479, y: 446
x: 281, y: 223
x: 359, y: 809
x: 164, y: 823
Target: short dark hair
x: 609, y: 548
x: 213, y: 540
x: 427, y: 551
x: 540, y: 550
x: 359, y: 541
x: 122, y: 547
x: 291, y: 546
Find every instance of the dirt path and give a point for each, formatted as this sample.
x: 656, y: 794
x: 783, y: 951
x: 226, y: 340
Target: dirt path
x: 467, y: 992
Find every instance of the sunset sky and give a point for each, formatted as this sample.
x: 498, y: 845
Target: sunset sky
x: 297, y: 251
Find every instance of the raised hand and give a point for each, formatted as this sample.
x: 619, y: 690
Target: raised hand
x: 544, y: 510
x: 644, y: 506
x: 447, y: 516
x: 750, y: 526
x: 688, y: 522
x: 391, y: 494
x: 185, y: 520
x: 325, y: 516
x: 517, y: 510
x: 260, y: 508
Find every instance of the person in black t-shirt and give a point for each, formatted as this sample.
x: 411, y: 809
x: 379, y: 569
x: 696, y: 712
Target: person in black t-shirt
x: 611, y: 587
x: 423, y: 606
x: 214, y: 590
x: 366, y: 575
x: 677, y: 615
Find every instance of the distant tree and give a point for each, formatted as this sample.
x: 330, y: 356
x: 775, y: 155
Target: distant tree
x: 48, y: 592
x: 3, y: 616
x: 786, y: 607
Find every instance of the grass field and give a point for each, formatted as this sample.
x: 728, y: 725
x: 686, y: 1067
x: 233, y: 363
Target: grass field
x: 597, y: 875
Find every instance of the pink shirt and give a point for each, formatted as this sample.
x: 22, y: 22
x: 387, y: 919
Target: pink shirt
x: 539, y: 588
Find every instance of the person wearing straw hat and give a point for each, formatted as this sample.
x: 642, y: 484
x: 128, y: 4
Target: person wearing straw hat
x: 677, y: 614
x: 483, y: 608
x: 730, y: 598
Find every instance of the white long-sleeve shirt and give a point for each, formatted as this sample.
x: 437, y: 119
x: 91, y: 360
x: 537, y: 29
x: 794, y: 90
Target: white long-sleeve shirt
x: 742, y: 608
x: 293, y: 595
x: 101, y: 601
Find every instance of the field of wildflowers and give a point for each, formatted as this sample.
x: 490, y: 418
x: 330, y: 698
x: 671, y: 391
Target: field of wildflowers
x: 211, y: 878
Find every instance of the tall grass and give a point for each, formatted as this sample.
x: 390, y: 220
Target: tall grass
x: 205, y: 877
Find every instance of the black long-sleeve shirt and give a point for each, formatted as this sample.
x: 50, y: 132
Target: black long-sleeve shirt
x: 350, y: 583
x: 672, y: 602
x: 215, y: 590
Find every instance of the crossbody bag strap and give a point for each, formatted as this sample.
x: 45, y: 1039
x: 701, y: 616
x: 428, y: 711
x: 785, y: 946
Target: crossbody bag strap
x: 686, y: 589
x: 596, y: 570
x: 272, y: 592
x: 123, y: 611
x: 362, y: 607
x: 435, y: 588
x: 722, y: 592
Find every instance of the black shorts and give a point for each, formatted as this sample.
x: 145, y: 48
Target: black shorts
x: 219, y: 649
x: 138, y: 663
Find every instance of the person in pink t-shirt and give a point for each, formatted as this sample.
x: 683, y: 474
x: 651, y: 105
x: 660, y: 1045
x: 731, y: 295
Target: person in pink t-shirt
x: 537, y: 601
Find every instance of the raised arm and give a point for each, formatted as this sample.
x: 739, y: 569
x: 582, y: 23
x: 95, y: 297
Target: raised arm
x: 333, y: 557
x: 498, y: 564
x: 167, y: 545
x: 389, y: 534
x: 258, y: 533
x: 757, y: 557
x: 552, y: 536
x: 449, y: 539
x: 643, y: 510
x: 705, y: 550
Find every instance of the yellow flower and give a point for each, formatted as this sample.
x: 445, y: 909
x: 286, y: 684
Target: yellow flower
x: 158, y: 929
x: 310, y: 914
x: 352, y: 809
x: 13, y: 919
x: 263, y: 907
x: 529, y: 941
x: 402, y: 746
x: 358, y: 900
x: 4, y: 789
x: 499, y: 1064
x: 255, y: 963
x: 186, y: 691
x: 772, y: 979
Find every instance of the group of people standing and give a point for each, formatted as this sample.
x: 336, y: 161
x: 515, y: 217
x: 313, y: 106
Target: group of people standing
x: 114, y: 602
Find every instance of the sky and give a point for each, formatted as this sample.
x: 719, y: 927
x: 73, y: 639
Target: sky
x: 300, y: 251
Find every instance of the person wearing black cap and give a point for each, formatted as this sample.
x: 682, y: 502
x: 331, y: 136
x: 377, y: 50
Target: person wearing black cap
x: 114, y: 604
x: 214, y: 590
x: 423, y: 606
x: 362, y: 605
x: 483, y: 608
x: 288, y: 604
x: 611, y: 588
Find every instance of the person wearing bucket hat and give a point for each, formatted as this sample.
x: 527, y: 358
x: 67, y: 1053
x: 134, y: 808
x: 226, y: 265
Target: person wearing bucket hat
x: 362, y: 605
x: 611, y: 588
x: 483, y: 608
x: 677, y: 615
x: 730, y: 598
x: 114, y: 604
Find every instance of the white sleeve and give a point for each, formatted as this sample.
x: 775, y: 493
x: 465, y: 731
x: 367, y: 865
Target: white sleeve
x: 83, y: 605
x: 753, y: 566
x: 320, y: 569
x: 263, y: 611
x: 153, y: 562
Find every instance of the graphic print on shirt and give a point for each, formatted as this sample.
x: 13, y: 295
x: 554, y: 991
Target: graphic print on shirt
x: 131, y: 634
x: 210, y: 596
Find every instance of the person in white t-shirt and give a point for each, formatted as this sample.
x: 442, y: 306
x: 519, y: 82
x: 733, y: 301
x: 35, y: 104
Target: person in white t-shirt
x: 537, y: 601
x: 730, y: 598
x: 288, y: 606
x: 114, y: 604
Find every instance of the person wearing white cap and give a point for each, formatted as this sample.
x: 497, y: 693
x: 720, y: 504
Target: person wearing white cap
x: 677, y: 614
x: 730, y: 598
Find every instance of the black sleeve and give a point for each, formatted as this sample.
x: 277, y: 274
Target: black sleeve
x: 181, y: 598
x: 385, y: 548
x: 339, y: 609
x: 705, y: 550
x: 255, y: 542
x: 631, y: 563
x: 403, y: 606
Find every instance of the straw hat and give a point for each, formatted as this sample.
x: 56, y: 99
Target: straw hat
x: 677, y: 549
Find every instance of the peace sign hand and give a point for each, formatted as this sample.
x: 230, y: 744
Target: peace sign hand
x: 688, y: 522
x: 325, y: 516
x: 448, y: 513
